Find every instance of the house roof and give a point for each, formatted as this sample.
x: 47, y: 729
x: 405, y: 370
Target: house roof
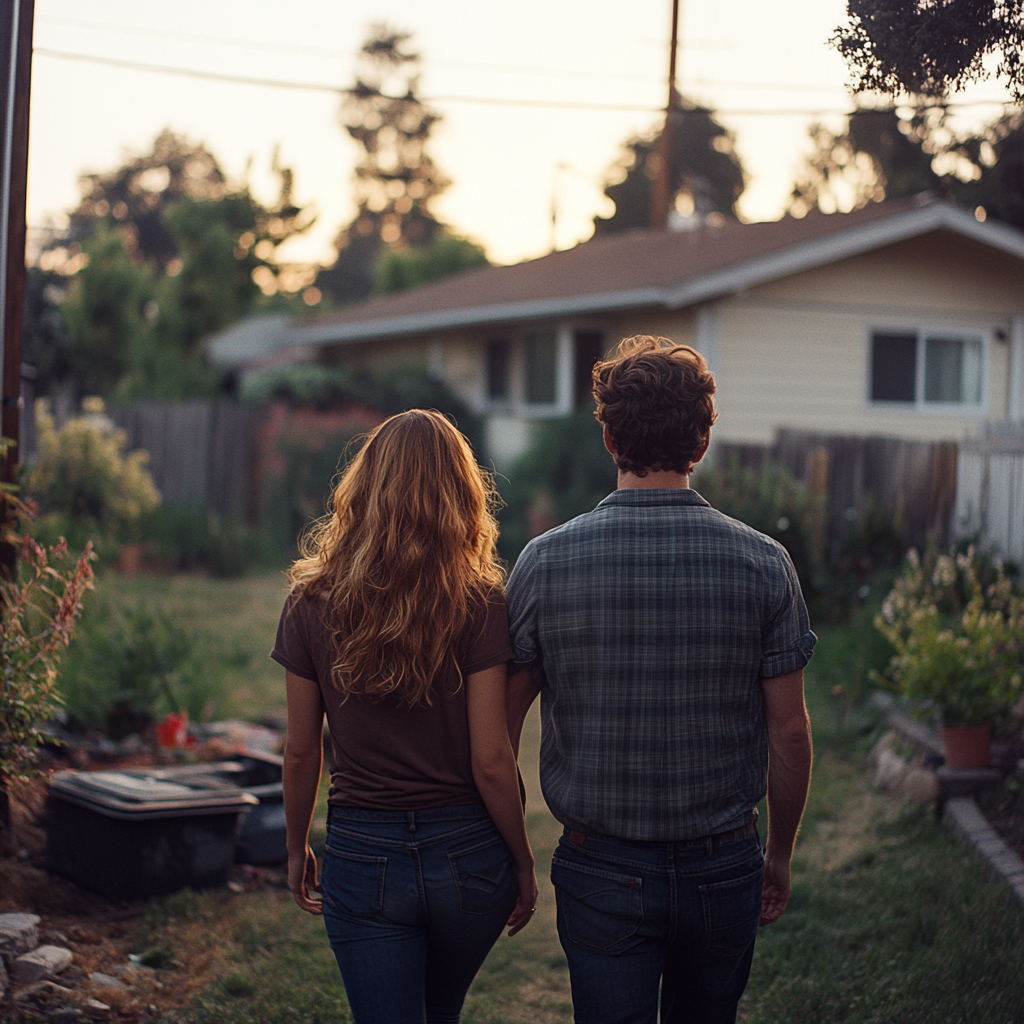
x: 249, y: 339
x: 651, y: 268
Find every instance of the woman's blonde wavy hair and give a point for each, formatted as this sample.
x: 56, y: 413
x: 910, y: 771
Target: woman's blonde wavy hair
x: 407, y: 555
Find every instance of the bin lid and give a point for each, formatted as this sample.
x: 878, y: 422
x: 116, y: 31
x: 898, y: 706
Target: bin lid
x: 140, y: 794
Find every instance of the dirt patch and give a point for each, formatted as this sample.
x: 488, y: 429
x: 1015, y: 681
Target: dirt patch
x: 183, y: 936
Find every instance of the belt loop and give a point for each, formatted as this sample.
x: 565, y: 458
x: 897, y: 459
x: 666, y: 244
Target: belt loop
x: 709, y: 846
x: 412, y: 821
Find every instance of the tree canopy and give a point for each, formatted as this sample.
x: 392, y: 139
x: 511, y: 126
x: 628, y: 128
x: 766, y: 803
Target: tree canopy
x: 884, y: 153
x: 895, y: 46
x: 395, y: 179
x: 160, y: 253
x: 706, y: 175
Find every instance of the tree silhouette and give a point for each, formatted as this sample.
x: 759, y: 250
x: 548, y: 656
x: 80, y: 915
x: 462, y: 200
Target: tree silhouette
x: 395, y: 180
x: 894, y: 46
x: 706, y: 173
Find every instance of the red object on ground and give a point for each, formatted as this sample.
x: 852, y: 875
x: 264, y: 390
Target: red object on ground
x: 173, y: 730
x: 967, y: 747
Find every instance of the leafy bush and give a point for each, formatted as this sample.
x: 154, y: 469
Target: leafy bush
x: 959, y: 637
x: 190, y: 536
x: 39, y: 607
x: 86, y: 485
x: 774, y: 502
x: 564, y: 472
x: 131, y: 665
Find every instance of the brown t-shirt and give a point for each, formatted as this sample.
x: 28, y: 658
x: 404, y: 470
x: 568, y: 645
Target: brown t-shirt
x: 386, y: 755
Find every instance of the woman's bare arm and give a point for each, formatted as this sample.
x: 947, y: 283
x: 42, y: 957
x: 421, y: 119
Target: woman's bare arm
x: 495, y: 775
x: 303, y: 762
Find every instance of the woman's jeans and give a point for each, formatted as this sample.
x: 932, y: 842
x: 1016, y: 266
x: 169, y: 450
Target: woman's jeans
x: 636, y: 915
x: 413, y: 902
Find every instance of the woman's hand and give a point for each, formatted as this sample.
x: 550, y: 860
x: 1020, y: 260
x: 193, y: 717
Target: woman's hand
x: 526, y: 905
x: 302, y: 880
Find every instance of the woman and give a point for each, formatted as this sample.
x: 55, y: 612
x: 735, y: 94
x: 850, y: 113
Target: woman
x: 396, y: 629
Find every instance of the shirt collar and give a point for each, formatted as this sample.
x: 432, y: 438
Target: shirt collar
x: 641, y: 497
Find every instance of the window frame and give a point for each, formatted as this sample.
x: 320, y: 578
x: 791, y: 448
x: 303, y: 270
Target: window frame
x: 923, y: 332
x: 516, y: 403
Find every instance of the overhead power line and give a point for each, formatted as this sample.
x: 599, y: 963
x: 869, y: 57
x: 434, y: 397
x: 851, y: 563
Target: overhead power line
x: 276, y: 83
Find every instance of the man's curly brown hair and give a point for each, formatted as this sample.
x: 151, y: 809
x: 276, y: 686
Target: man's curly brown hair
x: 657, y: 400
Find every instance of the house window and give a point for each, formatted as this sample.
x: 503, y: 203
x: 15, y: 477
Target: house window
x: 924, y: 368
x: 499, y: 369
x: 540, y: 358
x: 589, y: 349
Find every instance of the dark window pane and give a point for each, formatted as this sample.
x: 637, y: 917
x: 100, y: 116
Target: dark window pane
x: 540, y: 367
x: 498, y: 369
x: 589, y: 348
x: 893, y: 367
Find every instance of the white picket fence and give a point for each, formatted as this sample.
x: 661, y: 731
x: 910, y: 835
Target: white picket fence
x: 990, y: 492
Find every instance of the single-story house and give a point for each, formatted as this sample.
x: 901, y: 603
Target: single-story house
x: 904, y: 318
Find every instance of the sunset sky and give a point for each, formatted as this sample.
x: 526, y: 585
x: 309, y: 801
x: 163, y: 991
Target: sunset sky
x: 537, y: 97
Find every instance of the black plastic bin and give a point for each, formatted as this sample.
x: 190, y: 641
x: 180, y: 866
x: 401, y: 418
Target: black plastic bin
x: 131, y: 834
x: 261, y: 835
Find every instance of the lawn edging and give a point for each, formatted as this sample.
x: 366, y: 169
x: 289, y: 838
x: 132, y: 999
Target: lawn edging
x: 964, y: 815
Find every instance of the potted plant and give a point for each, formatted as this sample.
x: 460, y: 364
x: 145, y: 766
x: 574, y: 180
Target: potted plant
x: 959, y: 645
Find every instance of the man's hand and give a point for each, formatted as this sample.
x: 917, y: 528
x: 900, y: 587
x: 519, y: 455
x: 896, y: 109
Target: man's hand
x: 776, y: 891
x: 302, y: 880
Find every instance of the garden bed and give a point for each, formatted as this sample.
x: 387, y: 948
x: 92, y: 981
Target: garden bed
x: 1004, y: 810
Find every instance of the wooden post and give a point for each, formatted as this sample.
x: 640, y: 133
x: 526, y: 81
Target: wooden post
x: 663, y: 181
x: 16, y: 18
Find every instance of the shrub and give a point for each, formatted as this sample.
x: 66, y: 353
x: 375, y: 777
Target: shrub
x: 132, y: 665
x: 86, y: 485
x: 959, y: 639
x: 39, y: 607
x: 774, y: 502
x: 563, y: 473
x: 190, y: 536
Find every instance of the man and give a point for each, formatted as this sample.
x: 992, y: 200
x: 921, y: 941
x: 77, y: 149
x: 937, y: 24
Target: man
x: 668, y: 644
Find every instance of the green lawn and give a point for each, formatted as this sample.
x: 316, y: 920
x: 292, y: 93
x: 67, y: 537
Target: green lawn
x: 891, y: 920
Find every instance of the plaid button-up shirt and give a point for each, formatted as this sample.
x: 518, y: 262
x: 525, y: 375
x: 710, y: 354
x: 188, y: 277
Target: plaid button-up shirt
x: 649, y: 624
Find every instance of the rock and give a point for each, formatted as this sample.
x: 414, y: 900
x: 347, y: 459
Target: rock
x: 41, y: 963
x: 45, y: 992
x: 64, y: 1015
x: 106, y: 981
x: 18, y: 934
x: 919, y: 785
x: 96, y: 1010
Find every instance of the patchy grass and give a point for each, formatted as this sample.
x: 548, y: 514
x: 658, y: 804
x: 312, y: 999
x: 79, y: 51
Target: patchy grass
x: 892, y: 919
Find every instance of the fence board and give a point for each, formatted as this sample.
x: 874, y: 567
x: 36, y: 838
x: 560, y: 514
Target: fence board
x: 990, y: 492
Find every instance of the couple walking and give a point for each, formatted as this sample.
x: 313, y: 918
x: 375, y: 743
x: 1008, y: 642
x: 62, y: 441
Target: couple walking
x: 667, y: 643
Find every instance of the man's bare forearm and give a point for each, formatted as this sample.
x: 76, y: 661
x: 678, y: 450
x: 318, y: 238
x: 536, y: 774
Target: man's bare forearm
x: 520, y: 693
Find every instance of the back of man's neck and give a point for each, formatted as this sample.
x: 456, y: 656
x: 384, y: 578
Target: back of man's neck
x: 662, y: 479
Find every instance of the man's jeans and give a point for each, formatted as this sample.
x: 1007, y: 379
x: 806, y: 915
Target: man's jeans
x: 413, y: 902
x: 632, y: 915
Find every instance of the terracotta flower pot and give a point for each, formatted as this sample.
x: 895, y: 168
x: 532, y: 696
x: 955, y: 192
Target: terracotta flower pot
x: 967, y: 746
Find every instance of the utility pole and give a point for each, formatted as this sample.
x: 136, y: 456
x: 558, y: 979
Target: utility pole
x: 16, y: 18
x: 663, y: 181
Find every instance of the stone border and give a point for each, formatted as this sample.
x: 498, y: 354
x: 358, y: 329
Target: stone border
x: 971, y: 825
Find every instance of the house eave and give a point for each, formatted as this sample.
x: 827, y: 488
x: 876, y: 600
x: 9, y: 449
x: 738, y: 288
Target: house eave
x: 476, y: 316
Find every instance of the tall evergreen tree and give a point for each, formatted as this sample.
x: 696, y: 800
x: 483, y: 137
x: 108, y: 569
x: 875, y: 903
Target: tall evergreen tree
x: 396, y: 179
x: 706, y: 173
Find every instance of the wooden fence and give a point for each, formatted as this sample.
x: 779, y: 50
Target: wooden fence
x: 200, y: 451
x: 914, y: 481
x: 990, y: 492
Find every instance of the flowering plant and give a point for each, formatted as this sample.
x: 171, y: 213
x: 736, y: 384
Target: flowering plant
x: 959, y: 638
x: 39, y: 606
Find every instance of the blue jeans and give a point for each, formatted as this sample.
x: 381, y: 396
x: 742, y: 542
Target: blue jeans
x: 636, y: 915
x: 413, y: 902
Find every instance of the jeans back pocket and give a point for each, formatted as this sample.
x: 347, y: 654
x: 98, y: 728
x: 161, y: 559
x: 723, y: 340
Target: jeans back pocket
x: 354, y: 882
x: 484, y: 875
x: 732, y: 909
x: 599, y: 909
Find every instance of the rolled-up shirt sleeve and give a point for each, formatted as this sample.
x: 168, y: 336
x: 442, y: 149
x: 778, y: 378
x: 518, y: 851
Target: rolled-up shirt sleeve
x: 787, y: 642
